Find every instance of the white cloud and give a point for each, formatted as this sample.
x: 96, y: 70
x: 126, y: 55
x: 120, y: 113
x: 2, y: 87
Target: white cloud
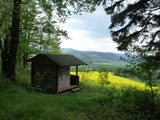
x: 89, y: 32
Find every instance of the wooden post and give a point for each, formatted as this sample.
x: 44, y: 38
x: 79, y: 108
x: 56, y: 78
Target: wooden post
x: 77, y: 83
x: 76, y: 70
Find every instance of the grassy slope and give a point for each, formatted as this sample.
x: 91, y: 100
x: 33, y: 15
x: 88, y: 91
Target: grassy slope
x: 16, y: 103
x: 19, y: 104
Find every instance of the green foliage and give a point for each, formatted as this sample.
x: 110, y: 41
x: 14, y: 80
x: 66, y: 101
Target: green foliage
x: 5, y: 84
x: 135, y: 28
x: 126, y: 103
x: 103, y: 77
x: 85, y: 76
x: 23, y: 74
x: 144, y: 67
x: 39, y: 30
x: 134, y: 24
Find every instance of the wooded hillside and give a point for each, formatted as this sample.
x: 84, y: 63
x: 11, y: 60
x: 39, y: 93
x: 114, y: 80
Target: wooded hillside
x: 96, y: 57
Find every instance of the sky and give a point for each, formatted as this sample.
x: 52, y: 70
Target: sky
x: 89, y: 32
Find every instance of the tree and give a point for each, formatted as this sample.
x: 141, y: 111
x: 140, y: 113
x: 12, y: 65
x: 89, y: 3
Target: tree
x: 144, y: 67
x: 17, y: 25
x: 103, y: 76
x: 40, y: 35
x: 14, y: 40
x: 39, y: 25
x: 135, y: 28
x: 135, y: 25
x: 5, y: 24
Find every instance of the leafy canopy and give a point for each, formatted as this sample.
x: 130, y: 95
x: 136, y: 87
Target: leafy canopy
x: 135, y: 24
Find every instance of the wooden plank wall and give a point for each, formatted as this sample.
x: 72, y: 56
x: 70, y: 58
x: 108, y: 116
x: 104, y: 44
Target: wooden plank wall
x: 63, y: 78
x: 45, y: 75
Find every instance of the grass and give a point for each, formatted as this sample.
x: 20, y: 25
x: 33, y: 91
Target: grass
x: 91, y: 102
x: 19, y: 104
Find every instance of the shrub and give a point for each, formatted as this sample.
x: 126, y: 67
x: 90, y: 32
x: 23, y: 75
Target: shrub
x: 4, y: 84
x: 85, y: 76
x: 103, y: 77
x: 126, y: 103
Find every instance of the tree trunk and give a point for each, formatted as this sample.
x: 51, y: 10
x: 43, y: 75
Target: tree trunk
x: 25, y: 57
x: 4, y: 46
x: 14, y: 40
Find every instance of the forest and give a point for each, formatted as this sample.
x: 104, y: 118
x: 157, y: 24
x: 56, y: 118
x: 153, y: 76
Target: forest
x: 106, y: 91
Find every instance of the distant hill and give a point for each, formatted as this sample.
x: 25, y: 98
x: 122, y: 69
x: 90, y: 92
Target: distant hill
x: 95, y: 57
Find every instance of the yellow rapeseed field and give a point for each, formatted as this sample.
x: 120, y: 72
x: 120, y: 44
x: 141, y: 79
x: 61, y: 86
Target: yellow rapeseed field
x: 116, y: 81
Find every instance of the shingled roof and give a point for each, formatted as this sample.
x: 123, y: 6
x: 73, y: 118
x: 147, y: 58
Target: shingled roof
x: 60, y: 59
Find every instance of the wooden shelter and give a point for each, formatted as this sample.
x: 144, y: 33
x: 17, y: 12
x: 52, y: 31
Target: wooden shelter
x: 53, y: 71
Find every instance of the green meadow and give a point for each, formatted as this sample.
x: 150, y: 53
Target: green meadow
x: 122, y: 99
